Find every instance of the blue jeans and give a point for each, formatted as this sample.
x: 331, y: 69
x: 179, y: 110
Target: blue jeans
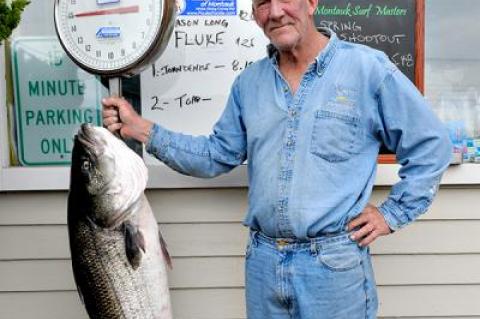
x: 328, y: 277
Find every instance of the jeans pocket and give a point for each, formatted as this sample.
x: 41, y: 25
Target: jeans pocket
x: 340, y: 257
x: 336, y: 137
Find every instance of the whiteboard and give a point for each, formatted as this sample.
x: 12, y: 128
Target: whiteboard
x: 186, y: 89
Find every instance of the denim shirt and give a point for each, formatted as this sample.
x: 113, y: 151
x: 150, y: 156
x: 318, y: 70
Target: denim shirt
x: 312, y: 155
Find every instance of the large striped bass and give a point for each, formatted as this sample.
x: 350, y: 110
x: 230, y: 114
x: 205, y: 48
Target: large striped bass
x: 118, y: 257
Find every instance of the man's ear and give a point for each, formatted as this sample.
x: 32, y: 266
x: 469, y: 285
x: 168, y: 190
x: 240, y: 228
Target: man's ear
x: 313, y: 4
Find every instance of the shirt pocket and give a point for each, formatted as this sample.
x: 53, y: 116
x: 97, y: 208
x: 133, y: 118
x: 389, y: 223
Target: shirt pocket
x: 336, y: 136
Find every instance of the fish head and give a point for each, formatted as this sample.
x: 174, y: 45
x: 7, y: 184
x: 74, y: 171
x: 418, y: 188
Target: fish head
x: 108, y: 172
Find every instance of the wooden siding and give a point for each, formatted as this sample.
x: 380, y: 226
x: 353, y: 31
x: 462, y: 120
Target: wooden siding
x: 428, y: 270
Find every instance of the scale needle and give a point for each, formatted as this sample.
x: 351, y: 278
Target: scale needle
x: 131, y: 9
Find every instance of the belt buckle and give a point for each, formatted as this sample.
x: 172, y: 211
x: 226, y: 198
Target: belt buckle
x: 281, y: 243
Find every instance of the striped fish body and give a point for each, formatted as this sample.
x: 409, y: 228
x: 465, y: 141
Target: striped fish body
x: 118, y: 261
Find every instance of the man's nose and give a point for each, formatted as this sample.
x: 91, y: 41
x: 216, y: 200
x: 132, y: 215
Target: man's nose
x: 276, y: 9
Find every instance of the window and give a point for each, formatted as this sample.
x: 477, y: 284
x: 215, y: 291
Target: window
x: 452, y: 66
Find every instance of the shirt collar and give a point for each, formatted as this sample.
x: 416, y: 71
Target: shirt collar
x: 324, y: 57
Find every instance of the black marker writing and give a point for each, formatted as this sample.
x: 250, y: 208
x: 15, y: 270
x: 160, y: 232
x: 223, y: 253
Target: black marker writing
x: 179, y: 68
x: 184, y: 100
x: 155, y: 103
x: 239, y: 66
x: 245, y: 42
x: 198, y: 39
x: 216, y: 22
x: 245, y: 16
x: 186, y: 23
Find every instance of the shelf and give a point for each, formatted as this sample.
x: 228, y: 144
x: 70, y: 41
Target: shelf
x: 57, y: 178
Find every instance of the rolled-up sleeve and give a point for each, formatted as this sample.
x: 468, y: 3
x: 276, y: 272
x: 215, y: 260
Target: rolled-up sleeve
x: 204, y: 156
x: 410, y: 129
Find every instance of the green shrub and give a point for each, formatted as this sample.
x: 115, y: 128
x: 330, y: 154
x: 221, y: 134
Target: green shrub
x: 10, y: 16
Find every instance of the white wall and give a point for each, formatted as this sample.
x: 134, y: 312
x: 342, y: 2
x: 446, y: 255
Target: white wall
x: 428, y: 270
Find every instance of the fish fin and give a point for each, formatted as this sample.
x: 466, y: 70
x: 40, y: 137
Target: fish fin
x: 80, y: 295
x: 91, y: 223
x: 134, y: 245
x: 79, y: 289
x: 165, y: 253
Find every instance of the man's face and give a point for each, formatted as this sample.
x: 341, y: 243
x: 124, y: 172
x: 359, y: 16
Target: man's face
x: 284, y: 22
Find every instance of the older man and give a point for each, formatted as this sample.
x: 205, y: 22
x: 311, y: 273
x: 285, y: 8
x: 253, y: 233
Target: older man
x: 310, y: 118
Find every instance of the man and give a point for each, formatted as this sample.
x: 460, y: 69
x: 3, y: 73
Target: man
x: 310, y: 118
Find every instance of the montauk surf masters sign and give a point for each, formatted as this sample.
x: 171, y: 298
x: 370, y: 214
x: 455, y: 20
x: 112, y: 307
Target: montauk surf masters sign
x: 367, y: 10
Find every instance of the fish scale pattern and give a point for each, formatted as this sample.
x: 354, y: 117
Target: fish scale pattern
x: 110, y: 287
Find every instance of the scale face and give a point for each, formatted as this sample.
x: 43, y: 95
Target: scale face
x: 114, y: 37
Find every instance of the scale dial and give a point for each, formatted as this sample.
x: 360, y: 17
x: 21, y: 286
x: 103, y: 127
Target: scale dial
x: 114, y: 37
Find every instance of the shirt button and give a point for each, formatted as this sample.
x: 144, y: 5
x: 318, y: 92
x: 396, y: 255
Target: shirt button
x: 293, y: 113
x: 290, y: 143
x: 285, y: 89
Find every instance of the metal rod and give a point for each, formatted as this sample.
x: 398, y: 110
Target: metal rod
x: 115, y: 89
x: 115, y: 86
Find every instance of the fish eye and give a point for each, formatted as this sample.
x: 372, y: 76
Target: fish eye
x: 86, y: 165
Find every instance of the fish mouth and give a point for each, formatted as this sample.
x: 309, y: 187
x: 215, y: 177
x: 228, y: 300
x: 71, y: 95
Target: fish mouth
x: 89, y: 140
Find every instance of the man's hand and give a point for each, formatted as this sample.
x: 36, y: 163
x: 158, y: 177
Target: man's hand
x: 371, y: 225
x: 119, y: 115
